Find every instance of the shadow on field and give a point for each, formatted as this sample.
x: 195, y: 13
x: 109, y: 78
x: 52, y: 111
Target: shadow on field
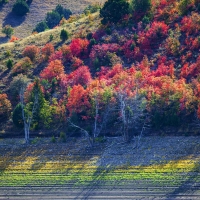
x: 13, y: 20
x: 190, y: 186
x: 4, y: 39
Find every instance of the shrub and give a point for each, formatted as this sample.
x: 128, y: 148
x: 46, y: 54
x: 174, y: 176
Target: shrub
x: 64, y: 35
x: 13, y: 39
x: 17, y: 116
x: 47, y: 51
x: 52, y: 19
x: 20, y: 7
x: 5, y: 106
x: 9, y: 64
x: 51, y: 37
x: 31, y: 51
x: 22, y: 66
x: 41, y: 26
x: 8, y: 30
x: 113, y: 11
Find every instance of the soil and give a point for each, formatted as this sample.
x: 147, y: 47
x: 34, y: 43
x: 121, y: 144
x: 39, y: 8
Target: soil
x: 113, y: 152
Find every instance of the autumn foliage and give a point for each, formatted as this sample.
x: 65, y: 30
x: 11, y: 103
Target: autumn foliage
x: 32, y: 52
x: 154, y: 56
x: 5, y: 106
x: 53, y: 70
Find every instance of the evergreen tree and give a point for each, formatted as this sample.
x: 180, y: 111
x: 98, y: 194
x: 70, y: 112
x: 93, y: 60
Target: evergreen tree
x: 113, y: 11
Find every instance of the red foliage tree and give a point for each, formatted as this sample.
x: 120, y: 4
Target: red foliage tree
x: 78, y: 100
x: 190, y: 24
x: 79, y: 47
x: 150, y: 39
x: 76, y: 62
x: 66, y: 51
x: 5, y: 106
x: 54, y: 70
x: 58, y: 55
x: 47, y: 51
x: 81, y: 76
x: 32, y: 52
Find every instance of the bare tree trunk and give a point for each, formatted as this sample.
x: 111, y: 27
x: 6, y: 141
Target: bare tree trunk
x: 87, y: 135
x: 27, y: 118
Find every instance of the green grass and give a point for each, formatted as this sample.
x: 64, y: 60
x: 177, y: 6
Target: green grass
x: 35, y: 172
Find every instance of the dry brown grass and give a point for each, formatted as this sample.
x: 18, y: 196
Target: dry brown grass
x: 23, y: 26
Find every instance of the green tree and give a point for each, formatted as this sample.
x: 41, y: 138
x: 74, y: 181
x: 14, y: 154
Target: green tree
x: 64, y: 35
x: 20, y: 8
x: 41, y: 26
x: 9, y: 64
x: 113, y: 11
x: 63, y: 12
x: 141, y: 5
x: 17, y: 116
x: 52, y: 19
x: 8, y: 30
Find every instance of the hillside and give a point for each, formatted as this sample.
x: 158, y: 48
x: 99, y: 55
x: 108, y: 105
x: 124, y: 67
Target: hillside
x: 23, y: 26
x: 106, y: 105
x: 128, y: 74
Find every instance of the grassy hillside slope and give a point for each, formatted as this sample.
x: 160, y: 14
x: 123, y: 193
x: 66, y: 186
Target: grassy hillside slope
x: 15, y: 48
x: 23, y: 26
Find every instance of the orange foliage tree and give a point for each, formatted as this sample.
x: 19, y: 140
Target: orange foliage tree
x: 54, y: 70
x: 5, y: 106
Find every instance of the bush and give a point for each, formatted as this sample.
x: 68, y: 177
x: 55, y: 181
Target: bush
x: 9, y: 64
x: 8, y: 30
x: 22, y: 66
x: 40, y: 27
x: 64, y: 35
x: 52, y: 19
x: 51, y: 37
x: 63, y: 12
x: 31, y: 51
x: 17, y: 116
x: 13, y: 39
x: 113, y: 11
x: 20, y: 8
x: 47, y: 51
